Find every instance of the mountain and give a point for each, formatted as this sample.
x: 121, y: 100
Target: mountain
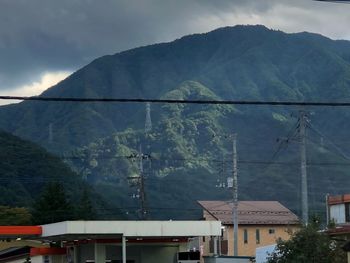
x: 26, y: 168
x: 242, y: 62
x: 187, y: 141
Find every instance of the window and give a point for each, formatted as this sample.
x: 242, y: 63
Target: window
x: 271, y: 231
x: 257, y: 236
x: 245, y: 236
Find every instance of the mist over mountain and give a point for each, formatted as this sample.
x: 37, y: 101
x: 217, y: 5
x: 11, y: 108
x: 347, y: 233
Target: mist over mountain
x: 186, y: 143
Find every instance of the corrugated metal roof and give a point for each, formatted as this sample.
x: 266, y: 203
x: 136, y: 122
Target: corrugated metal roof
x: 251, y: 212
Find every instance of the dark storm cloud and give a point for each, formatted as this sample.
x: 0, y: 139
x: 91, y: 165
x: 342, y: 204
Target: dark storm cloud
x: 51, y: 35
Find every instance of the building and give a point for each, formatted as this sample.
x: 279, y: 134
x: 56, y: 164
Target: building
x: 338, y: 212
x: 111, y: 241
x: 338, y: 209
x: 260, y: 223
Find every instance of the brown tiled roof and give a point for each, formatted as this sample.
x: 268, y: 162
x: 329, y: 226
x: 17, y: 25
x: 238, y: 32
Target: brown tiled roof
x: 251, y: 212
x: 338, y: 199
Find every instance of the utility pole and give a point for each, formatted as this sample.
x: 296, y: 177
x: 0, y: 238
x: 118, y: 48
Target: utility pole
x: 232, y: 182
x: 235, y: 195
x: 304, y: 190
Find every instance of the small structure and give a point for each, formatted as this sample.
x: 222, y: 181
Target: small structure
x: 260, y: 223
x: 262, y: 253
x: 121, y: 241
x: 228, y: 259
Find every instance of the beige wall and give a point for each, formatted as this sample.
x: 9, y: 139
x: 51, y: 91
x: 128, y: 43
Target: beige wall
x: 248, y: 249
x: 145, y: 253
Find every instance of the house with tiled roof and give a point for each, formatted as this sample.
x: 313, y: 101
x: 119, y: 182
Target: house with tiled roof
x: 338, y: 215
x: 260, y: 223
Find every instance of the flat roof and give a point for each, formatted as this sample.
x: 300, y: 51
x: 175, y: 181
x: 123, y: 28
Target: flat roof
x: 102, y: 229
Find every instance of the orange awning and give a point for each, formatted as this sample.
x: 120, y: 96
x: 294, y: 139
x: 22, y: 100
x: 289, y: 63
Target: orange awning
x: 20, y: 230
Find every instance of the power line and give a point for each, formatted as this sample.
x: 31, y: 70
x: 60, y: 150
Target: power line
x: 340, y: 151
x: 138, y: 100
x: 335, y: 1
x: 204, y: 159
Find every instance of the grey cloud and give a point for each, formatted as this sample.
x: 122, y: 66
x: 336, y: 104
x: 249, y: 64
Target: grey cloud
x: 48, y: 35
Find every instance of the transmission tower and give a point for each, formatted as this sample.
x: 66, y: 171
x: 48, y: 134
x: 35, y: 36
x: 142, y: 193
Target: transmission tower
x: 222, y: 180
x: 148, y: 123
x: 139, y: 183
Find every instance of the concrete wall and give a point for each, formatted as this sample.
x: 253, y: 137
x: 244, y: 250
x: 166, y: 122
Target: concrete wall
x: 21, y: 260
x: 139, y: 253
x: 52, y: 259
x: 226, y: 260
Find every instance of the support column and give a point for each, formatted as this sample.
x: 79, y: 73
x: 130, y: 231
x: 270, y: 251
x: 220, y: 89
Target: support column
x: 124, y: 249
x: 100, y: 253
x: 215, y: 246
x: 76, y: 255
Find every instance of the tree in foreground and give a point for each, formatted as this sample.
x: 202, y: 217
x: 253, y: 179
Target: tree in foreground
x: 52, y: 206
x: 308, y: 245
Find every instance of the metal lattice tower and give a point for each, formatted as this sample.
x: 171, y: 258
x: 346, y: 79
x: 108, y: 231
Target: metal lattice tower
x: 148, y: 123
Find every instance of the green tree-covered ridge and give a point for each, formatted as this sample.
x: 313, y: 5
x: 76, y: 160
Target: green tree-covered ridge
x: 26, y: 168
x: 186, y: 147
x: 242, y: 62
x: 37, y: 186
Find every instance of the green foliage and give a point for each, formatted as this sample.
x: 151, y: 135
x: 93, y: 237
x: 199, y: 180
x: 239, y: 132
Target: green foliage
x: 26, y: 167
x: 53, y: 205
x: 233, y: 63
x: 308, y: 245
x: 85, y: 208
x: 14, y: 216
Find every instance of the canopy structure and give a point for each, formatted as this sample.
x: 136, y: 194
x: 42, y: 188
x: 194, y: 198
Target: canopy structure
x: 73, y: 230
x: 19, y: 232
x: 121, y: 241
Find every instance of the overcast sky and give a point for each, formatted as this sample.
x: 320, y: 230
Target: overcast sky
x: 43, y: 41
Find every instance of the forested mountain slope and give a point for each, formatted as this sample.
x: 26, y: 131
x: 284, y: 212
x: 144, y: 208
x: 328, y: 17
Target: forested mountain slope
x: 187, y: 142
